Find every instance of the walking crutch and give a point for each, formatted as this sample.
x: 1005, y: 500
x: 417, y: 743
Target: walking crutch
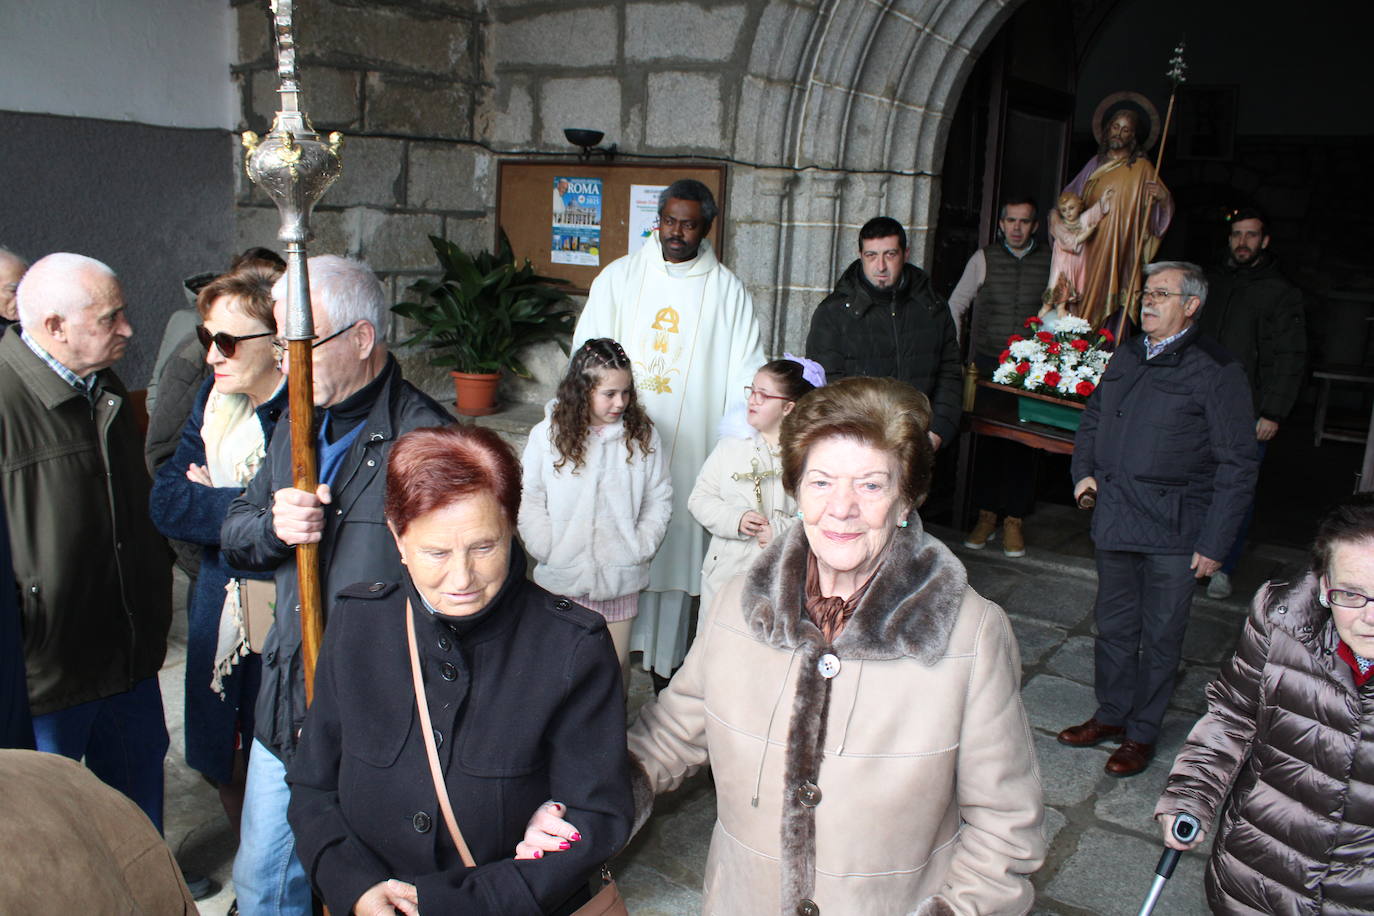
x: 1186, y: 827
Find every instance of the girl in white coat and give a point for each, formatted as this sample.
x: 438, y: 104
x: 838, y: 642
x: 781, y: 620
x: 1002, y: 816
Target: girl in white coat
x: 738, y: 495
x: 597, y: 493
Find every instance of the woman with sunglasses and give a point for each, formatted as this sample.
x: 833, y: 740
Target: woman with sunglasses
x: 221, y: 446
x: 1286, y: 748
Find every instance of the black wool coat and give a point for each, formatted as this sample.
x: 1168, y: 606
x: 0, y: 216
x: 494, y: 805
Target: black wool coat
x: 912, y: 340
x: 527, y: 706
x: 1171, y: 443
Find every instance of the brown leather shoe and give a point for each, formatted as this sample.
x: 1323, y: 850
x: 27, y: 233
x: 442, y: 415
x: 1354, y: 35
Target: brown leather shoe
x: 1090, y: 734
x: 1129, y: 759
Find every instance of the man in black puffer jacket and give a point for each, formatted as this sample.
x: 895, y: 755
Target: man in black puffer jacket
x: 1256, y: 314
x: 1167, y: 442
x: 884, y: 320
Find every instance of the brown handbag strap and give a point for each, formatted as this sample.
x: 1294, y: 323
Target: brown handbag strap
x: 431, y: 751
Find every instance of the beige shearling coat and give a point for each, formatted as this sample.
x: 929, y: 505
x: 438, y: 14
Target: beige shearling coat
x: 905, y: 783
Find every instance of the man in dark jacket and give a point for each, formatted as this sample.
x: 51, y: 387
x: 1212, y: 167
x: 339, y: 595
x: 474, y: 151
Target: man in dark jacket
x: 366, y: 405
x: 94, y: 577
x: 884, y: 320
x: 1167, y: 445
x: 1254, y: 312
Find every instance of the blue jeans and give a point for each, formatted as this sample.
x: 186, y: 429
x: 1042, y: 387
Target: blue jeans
x: 268, y: 878
x: 123, y: 738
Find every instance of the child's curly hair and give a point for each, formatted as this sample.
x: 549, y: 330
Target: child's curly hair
x: 572, y: 414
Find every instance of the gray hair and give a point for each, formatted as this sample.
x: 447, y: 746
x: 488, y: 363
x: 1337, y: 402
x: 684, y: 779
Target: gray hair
x: 691, y: 189
x: 348, y: 290
x: 52, y: 286
x: 1194, y: 282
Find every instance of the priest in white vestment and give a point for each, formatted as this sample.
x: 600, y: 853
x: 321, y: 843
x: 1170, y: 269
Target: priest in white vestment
x: 688, y: 325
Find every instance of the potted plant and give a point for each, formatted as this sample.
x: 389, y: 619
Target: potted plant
x: 480, y: 314
x: 1055, y: 371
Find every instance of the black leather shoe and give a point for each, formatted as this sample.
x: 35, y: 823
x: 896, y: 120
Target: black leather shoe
x: 1090, y: 734
x: 1129, y: 759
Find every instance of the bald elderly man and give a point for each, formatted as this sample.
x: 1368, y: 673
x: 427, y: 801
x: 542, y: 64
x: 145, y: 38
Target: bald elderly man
x: 12, y: 267
x: 94, y: 577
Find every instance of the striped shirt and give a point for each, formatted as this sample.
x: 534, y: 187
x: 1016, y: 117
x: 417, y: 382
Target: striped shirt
x: 1153, y: 349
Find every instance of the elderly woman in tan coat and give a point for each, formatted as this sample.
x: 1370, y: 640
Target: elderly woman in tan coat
x: 858, y: 703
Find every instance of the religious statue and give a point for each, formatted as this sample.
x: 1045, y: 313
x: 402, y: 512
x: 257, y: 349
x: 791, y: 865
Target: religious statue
x: 1136, y: 214
x: 1074, y: 226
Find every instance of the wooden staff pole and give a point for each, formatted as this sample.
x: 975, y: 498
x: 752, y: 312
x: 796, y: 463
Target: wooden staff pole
x: 300, y: 384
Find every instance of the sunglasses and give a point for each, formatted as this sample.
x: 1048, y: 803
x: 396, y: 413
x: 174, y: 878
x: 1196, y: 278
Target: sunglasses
x: 227, y: 343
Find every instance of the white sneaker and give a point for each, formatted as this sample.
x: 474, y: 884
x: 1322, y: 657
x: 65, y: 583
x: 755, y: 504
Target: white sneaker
x: 1220, y: 586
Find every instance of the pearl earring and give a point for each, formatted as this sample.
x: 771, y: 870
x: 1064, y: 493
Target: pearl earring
x: 799, y: 514
x: 903, y: 523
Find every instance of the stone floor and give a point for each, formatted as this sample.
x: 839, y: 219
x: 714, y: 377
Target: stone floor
x: 1104, y: 845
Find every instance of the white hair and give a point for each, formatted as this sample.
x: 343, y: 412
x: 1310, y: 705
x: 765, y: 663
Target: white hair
x: 55, y: 285
x: 347, y: 289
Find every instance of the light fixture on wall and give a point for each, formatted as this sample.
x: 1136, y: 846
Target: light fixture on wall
x: 587, y: 140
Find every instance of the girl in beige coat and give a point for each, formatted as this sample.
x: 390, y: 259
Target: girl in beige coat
x: 739, y: 496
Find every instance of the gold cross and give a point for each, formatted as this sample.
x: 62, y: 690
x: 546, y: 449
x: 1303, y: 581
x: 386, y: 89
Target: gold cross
x: 756, y: 477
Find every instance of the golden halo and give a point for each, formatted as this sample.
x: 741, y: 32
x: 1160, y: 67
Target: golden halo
x: 1132, y: 100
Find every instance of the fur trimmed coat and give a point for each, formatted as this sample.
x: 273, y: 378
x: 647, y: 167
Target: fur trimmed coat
x: 905, y: 781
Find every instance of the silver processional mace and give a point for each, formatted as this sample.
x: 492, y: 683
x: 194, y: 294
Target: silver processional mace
x: 295, y: 168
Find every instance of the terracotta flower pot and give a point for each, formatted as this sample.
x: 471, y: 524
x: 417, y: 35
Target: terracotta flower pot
x: 476, y: 392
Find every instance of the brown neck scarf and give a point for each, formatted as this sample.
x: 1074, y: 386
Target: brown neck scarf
x: 830, y: 614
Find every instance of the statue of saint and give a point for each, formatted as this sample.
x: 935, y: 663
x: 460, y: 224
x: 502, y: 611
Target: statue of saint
x: 1136, y: 212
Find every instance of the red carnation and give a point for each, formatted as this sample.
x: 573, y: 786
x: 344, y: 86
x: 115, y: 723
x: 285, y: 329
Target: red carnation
x: 1045, y: 336
x: 1004, y: 356
x: 1105, y: 332
x: 1052, y: 378
x: 1032, y: 322
x: 1054, y: 348
x: 1080, y: 345
x: 1084, y: 388
x: 1014, y: 338
x: 1022, y: 368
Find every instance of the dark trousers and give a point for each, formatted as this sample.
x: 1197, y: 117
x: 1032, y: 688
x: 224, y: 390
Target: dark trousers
x: 1004, y: 477
x: 1141, y: 614
x: 123, y: 738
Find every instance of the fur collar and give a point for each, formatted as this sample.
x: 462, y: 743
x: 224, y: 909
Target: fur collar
x: 908, y: 611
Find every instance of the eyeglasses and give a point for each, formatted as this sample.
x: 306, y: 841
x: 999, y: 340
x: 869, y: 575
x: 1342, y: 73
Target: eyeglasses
x: 753, y: 394
x: 280, y: 345
x: 227, y: 343
x: 1150, y: 295
x: 1344, y: 597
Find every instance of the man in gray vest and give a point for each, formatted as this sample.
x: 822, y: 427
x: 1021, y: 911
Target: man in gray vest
x: 1003, y: 282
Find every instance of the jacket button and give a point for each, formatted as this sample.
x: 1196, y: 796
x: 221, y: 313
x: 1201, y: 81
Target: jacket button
x: 420, y: 822
x: 807, y: 907
x: 448, y: 671
x: 376, y: 587
x: 809, y: 794
x: 33, y: 589
x: 371, y: 463
x: 444, y: 643
x: 438, y: 739
x: 271, y: 656
x: 1120, y: 413
x: 562, y: 604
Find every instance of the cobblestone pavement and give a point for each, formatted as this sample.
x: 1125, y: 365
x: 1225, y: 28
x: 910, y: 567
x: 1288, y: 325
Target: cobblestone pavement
x: 1103, y: 842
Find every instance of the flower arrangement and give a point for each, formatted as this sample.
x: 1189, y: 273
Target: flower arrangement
x: 1066, y: 362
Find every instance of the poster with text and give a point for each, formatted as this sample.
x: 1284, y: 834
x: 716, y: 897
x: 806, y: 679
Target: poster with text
x: 576, y: 221
x: 643, y: 213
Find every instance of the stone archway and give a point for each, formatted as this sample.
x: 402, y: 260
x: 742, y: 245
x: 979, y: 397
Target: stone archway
x: 853, y: 100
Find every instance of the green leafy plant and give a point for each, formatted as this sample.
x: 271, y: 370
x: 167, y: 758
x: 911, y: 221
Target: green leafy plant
x: 484, y: 310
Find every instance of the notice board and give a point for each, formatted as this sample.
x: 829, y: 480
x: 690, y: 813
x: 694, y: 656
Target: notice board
x: 596, y: 211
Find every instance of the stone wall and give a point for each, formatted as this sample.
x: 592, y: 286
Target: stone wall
x: 827, y: 113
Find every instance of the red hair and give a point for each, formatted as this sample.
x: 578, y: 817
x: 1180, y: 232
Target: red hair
x: 433, y: 467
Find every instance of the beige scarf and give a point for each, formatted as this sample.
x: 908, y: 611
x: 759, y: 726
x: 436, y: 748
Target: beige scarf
x: 234, y: 450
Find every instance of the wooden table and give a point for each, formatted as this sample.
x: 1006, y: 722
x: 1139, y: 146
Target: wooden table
x: 994, y: 414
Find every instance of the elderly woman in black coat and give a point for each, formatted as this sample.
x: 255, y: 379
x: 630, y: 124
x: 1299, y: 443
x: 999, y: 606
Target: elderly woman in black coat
x: 522, y: 691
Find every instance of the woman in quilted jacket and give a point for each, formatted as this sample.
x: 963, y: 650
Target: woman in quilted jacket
x: 1286, y: 748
